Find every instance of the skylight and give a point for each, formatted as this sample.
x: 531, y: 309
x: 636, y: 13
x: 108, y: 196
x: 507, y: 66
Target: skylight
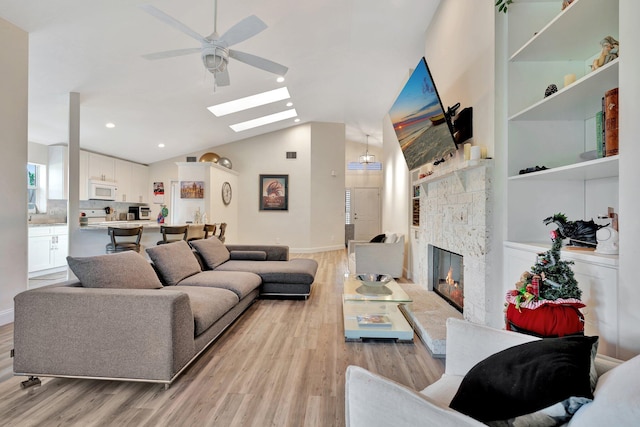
x: 265, y: 120
x: 249, y: 102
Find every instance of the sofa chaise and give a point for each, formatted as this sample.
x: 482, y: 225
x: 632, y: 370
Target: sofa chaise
x: 126, y: 319
x: 372, y: 400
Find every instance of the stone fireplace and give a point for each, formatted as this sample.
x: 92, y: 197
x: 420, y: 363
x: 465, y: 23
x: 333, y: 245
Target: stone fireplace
x: 455, y: 215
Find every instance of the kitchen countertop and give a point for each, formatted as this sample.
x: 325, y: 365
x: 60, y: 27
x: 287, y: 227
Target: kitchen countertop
x: 45, y: 224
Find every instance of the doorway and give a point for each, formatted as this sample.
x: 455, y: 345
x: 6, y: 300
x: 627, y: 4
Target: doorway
x: 365, y: 208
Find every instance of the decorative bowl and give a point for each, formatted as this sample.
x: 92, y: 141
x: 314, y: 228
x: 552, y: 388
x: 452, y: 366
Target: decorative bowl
x: 374, y: 279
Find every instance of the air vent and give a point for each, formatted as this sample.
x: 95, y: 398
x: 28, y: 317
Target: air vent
x: 292, y: 155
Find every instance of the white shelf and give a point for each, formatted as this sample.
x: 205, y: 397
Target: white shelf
x: 570, y: 254
x: 579, y: 101
x: 569, y: 36
x: 605, y: 167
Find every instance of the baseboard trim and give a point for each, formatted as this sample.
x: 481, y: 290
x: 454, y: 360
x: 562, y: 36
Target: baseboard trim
x: 314, y: 250
x: 6, y: 316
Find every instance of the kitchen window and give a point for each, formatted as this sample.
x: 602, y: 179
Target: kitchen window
x: 36, y: 188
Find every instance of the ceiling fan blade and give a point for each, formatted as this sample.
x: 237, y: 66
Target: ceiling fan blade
x: 243, y: 30
x: 258, y: 62
x: 157, y: 13
x: 171, y: 53
x: 222, y: 78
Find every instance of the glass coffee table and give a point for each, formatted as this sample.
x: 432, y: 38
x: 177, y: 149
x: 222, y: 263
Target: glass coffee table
x: 373, y: 313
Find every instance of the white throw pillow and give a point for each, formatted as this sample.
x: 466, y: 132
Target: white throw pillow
x: 615, y: 400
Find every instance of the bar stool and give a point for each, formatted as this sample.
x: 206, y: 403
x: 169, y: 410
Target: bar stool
x: 124, y: 245
x: 208, y: 229
x: 223, y: 228
x: 173, y: 229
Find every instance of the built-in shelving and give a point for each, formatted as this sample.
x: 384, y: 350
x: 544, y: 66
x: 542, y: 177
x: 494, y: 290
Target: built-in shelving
x: 583, y: 18
x: 605, y: 167
x: 578, y: 101
x: 555, y: 130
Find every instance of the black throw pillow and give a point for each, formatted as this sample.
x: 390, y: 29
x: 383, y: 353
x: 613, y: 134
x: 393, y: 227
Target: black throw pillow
x: 378, y: 239
x: 527, y: 377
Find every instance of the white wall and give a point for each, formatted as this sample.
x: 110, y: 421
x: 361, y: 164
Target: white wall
x: 38, y: 153
x: 629, y: 289
x: 14, y: 47
x: 315, y: 219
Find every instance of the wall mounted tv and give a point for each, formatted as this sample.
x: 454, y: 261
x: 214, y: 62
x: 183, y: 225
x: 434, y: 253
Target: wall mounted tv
x: 423, y: 127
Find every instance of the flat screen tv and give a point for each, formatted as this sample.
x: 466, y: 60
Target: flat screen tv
x: 424, y: 130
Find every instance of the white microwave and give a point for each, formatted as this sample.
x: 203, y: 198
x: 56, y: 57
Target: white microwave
x: 102, y: 190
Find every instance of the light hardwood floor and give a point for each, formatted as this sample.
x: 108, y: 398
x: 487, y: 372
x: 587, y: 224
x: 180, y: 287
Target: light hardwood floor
x: 281, y: 364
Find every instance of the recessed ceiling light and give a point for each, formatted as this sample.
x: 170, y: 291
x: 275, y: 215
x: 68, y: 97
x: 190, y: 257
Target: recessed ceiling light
x: 110, y: 125
x: 261, y: 121
x: 161, y: 145
x: 289, y: 104
x: 249, y: 102
x: 296, y: 120
x: 280, y: 79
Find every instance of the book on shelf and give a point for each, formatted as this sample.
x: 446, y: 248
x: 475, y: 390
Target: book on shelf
x: 373, y: 320
x: 600, y: 132
x: 611, y: 122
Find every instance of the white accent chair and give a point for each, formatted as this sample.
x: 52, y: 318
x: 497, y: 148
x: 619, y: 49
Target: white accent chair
x: 374, y: 401
x: 382, y: 258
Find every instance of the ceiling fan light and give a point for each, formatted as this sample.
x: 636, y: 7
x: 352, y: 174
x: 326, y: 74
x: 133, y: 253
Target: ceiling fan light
x: 214, y: 63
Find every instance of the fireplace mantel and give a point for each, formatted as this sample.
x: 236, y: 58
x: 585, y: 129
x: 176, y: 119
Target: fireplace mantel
x: 444, y: 172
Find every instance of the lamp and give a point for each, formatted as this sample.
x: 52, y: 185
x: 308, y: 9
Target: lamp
x: 367, y: 158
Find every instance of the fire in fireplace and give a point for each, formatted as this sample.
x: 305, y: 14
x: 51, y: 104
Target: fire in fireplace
x: 446, y: 278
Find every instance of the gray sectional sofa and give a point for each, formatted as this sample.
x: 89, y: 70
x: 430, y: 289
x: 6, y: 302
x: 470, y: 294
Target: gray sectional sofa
x: 126, y: 319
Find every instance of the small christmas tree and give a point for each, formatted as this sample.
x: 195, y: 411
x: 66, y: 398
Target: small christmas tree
x: 550, y: 278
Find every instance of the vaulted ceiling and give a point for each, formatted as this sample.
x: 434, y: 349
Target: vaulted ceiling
x: 347, y: 61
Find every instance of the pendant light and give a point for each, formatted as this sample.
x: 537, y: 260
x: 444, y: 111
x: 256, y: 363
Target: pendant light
x: 367, y: 158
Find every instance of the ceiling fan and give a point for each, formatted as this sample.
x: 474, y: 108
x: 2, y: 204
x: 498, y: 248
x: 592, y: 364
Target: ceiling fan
x: 214, y: 49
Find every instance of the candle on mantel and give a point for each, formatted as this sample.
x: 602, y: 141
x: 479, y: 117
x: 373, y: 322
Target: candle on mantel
x: 467, y: 151
x: 483, y: 152
x: 475, y: 152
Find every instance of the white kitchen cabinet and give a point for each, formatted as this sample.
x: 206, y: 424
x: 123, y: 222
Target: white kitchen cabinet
x: 57, y: 172
x: 102, y: 168
x: 124, y: 177
x: 48, y: 247
x: 39, y: 252
x: 140, y: 188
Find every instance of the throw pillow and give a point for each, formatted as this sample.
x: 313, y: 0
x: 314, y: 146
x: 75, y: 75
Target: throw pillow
x: 526, y: 378
x: 125, y: 270
x: 378, y: 239
x: 212, y: 251
x: 616, y: 398
x: 174, y: 261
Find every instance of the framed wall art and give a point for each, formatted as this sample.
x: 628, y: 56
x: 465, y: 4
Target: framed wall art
x: 274, y: 192
x: 192, y: 189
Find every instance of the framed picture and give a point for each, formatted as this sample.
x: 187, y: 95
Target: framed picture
x: 274, y: 192
x: 192, y: 189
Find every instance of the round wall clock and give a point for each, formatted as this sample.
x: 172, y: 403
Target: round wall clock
x: 226, y: 193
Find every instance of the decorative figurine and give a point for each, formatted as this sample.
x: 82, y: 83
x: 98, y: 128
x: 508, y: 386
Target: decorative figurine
x: 551, y: 89
x: 580, y: 233
x: 610, y: 51
x: 566, y: 4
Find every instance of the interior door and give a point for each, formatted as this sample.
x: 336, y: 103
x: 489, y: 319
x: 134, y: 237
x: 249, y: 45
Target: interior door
x: 366, y: 212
